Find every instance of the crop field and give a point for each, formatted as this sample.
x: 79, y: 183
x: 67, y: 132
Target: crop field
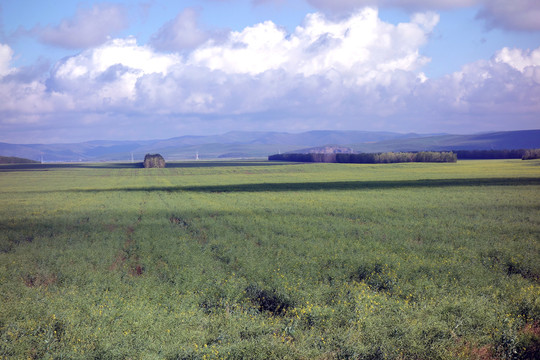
x: 263, y: 260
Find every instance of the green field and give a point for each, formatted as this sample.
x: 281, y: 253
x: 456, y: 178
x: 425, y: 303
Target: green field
x: 260, y: 260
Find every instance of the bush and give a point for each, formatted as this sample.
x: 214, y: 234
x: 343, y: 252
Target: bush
x: 376, y: 275
x: 268, y: 300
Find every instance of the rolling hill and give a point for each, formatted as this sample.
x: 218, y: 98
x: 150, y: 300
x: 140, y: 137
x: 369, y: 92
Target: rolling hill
x: 240, y: 144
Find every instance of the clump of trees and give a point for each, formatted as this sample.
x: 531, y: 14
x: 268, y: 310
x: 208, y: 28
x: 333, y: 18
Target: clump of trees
x: 531, y: 154
x: 153, y: 161
x: 369, y: 158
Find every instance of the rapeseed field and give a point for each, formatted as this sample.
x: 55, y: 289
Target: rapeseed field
x: 264, y: 260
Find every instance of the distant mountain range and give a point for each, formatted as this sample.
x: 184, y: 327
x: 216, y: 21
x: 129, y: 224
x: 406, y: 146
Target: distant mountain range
x: 241, y: 144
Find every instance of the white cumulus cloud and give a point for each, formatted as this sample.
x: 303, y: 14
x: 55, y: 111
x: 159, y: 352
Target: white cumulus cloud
x: 503, y: 92
x: 361, y: 46
x: 109, y: 72
x: 6, y: 53
x: 125, y: 52
x: 518, y: 58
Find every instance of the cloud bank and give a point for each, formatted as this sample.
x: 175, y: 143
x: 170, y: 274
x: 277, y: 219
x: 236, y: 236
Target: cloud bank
x: 357, y: 72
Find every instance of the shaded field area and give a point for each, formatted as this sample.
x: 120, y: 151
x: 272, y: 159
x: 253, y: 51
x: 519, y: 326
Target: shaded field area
x: 342, y: 185
x: 235, y: 260
x: 135, y: 165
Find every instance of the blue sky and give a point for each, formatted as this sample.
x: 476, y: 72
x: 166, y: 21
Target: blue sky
x: 73, y: 71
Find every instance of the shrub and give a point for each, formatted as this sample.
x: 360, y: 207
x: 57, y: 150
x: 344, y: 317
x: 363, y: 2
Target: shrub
x: 376, y: 275
x: 268, y: 300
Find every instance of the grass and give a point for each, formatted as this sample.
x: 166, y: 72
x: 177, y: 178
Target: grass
x: 268, y: 260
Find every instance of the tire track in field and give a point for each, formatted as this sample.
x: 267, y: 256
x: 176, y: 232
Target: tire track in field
x: 224, y: 256
x: 128, y: 256
x: 209, y: 244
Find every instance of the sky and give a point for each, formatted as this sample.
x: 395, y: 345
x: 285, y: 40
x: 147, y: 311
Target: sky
x: 73, y: 71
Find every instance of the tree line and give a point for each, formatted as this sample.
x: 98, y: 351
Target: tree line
x: 524, y: 154
x: 398, y: 157
x: 368, y: 158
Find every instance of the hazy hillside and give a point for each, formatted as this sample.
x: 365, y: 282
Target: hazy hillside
x: 15, y: 160
x: 235, y: 144
x: 526, y: 139
x: 240, y: 144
